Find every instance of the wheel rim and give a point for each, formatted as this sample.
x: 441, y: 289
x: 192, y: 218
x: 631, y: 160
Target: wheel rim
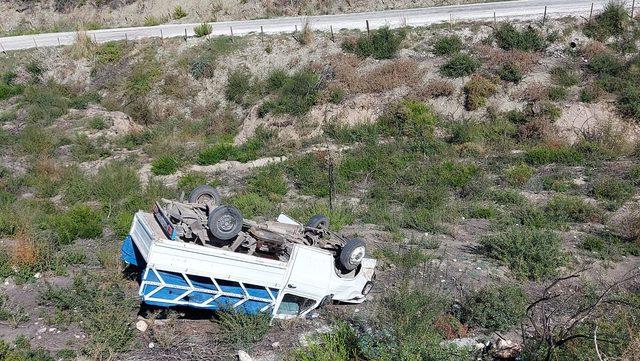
x: 204, y: 198
x: 356, y: 256
x: 226, y: 223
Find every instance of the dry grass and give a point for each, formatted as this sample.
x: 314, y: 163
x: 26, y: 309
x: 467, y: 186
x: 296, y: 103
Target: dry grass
x: 386, y: 77
x: 435, y: 88
x: 23, y: 251
x: 83, y: 47
x: 495, y: 58
x: 593, y: 48
x: 534, y: 92
x: 305, y: 36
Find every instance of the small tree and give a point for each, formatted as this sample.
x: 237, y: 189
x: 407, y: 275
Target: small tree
x: 203, y: 29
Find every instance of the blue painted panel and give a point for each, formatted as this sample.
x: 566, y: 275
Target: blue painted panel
x: 173, y: 278
x: 257, y: 291
x: 130, y: 254
x: 252, y: 307
x: 202, y: 282
x: 230, y: 287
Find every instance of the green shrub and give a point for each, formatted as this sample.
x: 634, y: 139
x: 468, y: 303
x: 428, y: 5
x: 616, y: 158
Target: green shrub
x: 613, y: 189
x: 589, y: 94
x: 519, y: 174
x: 564, y: 76
x: 409, y: 118
x: 533, y: 254
x: 542, y: 155
x: 252, y: 205
x: 216, y: 153
x: 339, y: 217
x: 336, y: 96
x: 382, y: 44
x: 629, y: 101
x: 309, y: 173
x: 80, y: 221
x: 190, y: 180
x: 460, y: 65
x: 613, y: 21
x: 603, y: 64
x: 242, y: 330
x: 341, y: 344
x: 572, y: 209
x: 496, y: 308
x: 153, y: 21
x: 101, y: 306
x: 45, y: 102
x: 203, y: 29
x: 178, y: 13
x: 8, y: 88
x: 529, y: 39
x: 608, y: 247
x: 447, y: 45
x: 476, y: 92
x: 511, y: 72
x: 269, y: 181
x: 110, y: 52
x: 239, y: 85
x: 295, y: 94
x: 557, y: 93
x: 165, y: 164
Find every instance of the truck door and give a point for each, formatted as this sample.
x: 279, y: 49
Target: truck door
x: 308, y: 282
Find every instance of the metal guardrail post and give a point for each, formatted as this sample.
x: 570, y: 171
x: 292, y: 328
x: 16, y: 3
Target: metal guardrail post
x: 332, y: 38
x: 34, y: 42
x: 633, y: 8
x: 261, y: 34
x: 161, y: 35
x: 368, y: 30
x: 591, y: 12
x: 544, y: 17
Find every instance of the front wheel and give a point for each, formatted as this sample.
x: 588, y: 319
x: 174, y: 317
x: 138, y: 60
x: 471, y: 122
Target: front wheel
x: 352, y: 253
x: 225, y: 222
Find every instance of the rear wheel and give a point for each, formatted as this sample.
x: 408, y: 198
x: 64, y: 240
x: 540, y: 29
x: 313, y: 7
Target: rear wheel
x: 225, y: 222
x: 205, y: 194
x: 318, y: 221
x: 352, y: 253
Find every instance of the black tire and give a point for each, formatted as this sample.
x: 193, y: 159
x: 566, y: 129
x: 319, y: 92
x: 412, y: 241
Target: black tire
x: 205, y: 194
x: 225, y: 222
x: 318, y: 221
x: 352, y: 253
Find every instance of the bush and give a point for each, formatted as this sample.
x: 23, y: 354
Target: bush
x: 110, y: 52
x: 383, y: 44
x: 239, y: 84
x: 102, y: 307
x: 510, y: 72
x: 269, y: 181
x: 603, y: 64
x: 409, y: 118
x: 81, y: 221
x: 565, y: 76
x: 518, y: 175
x: 459, y: 66
x: 543, y: 155
x: 613, y: 189
x: 529, y: 39
x: 496, y: 308
x: 532, y: 254
x: 589, y: 94
x: 203, y: 29
x: 164, y: 165
x: 309, y: 174
x: 476, y: 92
x: 557, y: 93
x: 216, y: 153
x: 341, y: 344
x: 564, y: 209
x: 446, y: 45
x: 8, y: 88
x: 295, y: 94
x: 613, y: 21
x: 629, y: 101
x: 242, y: 330
x: 178, y: 13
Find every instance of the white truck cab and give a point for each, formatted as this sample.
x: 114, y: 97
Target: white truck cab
x: 176, y: 273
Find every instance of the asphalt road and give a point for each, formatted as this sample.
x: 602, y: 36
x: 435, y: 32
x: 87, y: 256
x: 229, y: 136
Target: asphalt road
x: 520, y: 9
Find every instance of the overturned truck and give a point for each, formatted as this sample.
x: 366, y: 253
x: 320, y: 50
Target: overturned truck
x: 200, y: 253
